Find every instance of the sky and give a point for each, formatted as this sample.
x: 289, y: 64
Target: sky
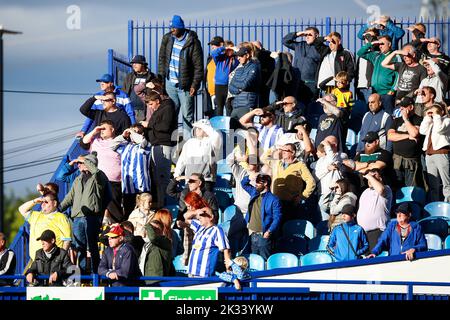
x: 55, y: 53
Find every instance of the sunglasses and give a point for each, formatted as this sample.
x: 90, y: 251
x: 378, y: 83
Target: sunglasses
x: 192, y: 181
x: 108, y: 100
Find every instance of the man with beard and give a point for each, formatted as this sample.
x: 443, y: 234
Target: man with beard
x: 264, y: 215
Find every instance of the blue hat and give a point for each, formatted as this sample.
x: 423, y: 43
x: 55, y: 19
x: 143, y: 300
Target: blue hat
x: 177, y: 22
x: 106, y: 78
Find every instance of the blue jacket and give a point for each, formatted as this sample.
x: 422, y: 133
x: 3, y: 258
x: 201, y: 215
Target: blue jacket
x: 224, y: 65
x: 373, y: 122
x: 396, y: 33
x: 246, y: 78
x: 126, y: 265
x: 122, y: 101
x: 307, y: 59
x: 390, y: 240
x: 270, y: 207
x: 338, y: 242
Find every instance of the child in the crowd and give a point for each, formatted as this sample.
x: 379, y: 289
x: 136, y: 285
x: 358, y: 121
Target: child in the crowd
x: 142, y: 215
x: 348, y: 241
x: 236, y: 270
x: 343, y: 94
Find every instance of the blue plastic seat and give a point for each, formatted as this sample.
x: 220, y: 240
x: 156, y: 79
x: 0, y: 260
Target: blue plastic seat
x: 179, y: 265
x: 229, y: 212
x: 316, y: 257
x: 415, y: 194
x: 223, y: 199
x: 322, y: 228
x: 292, y: 244
x: 447, y: 243
x: 173, y: 209
x: 318, y: 243
x: 438, y: 209
x: 299, y: 228
x: 282, y: 260
x: 256, y: 262
x: 351, y: 138
x: 435, y: 225
x: 434, y: 242
x: 220, y: 123
x: 383, y: 254
x: 223, y: 182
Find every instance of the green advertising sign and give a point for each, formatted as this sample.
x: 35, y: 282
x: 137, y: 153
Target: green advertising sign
x: 178, y: 294
x: 61, y: 293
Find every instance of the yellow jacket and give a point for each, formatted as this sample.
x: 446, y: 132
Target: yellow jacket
x: 295, y: 180
x: 210, y: 74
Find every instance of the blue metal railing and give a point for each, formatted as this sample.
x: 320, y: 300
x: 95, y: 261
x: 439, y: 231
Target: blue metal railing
x: 145, y: 38
x: 259, y: 285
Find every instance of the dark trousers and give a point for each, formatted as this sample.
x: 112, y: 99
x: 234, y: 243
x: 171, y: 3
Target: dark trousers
x: 129, y: 204
x: 85, y: 233
x: 260, y: 245
x: 221, y: 97
x: 372, y: 238
x: 388, y: 102
x: 115, y: 206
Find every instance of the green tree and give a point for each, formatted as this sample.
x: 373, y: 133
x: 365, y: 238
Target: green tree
x: 12, y: 219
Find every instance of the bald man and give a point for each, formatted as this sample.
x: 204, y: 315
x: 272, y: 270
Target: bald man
x: 376, y: 120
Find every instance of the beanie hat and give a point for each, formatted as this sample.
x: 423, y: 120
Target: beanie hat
x: 177, y: 22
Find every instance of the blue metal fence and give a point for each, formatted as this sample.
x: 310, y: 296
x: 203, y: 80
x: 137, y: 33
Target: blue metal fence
x: 145, y: 38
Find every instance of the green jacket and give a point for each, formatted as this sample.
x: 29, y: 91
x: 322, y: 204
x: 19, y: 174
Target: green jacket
x: 90, y: 199
x: 383, y: 79
x: 158, y: 261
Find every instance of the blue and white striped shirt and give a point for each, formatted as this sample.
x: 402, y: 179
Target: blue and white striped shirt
x: 268, y: 137
x: 174, y: 64
x: 205, y: 249
x: 135, y: 162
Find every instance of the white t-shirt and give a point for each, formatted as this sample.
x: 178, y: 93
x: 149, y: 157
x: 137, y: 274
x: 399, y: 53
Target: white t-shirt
x: 327, y: 69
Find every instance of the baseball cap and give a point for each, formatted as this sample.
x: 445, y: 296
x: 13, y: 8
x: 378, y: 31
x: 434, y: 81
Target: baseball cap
x: 105, y: 78
x: 115, y: 231
x: 217, y: 40
x: 406, y: 101
x: 348, y: 209
x: 47, y: 235
x: 371, y: 136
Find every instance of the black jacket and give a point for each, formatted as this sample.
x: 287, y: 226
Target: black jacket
x: 58, y: 262
x: 284, y: 80
x: 191, y: 60
x: 174, y: 191
x: 7, y: 267
x: 344, y: 60
x: 128, y: 83
x: 162, y: 124
x: 119, y: 118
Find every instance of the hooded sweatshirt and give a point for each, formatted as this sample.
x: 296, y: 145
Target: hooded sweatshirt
x: 200, y: 155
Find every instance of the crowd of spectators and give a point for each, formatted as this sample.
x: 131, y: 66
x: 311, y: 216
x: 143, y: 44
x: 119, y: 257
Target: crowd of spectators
x: 285, y: 166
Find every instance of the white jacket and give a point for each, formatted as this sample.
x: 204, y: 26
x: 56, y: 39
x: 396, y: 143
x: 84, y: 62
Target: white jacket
x: 439, y: 129
x: 200, y: 155
x: 327, y: 178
